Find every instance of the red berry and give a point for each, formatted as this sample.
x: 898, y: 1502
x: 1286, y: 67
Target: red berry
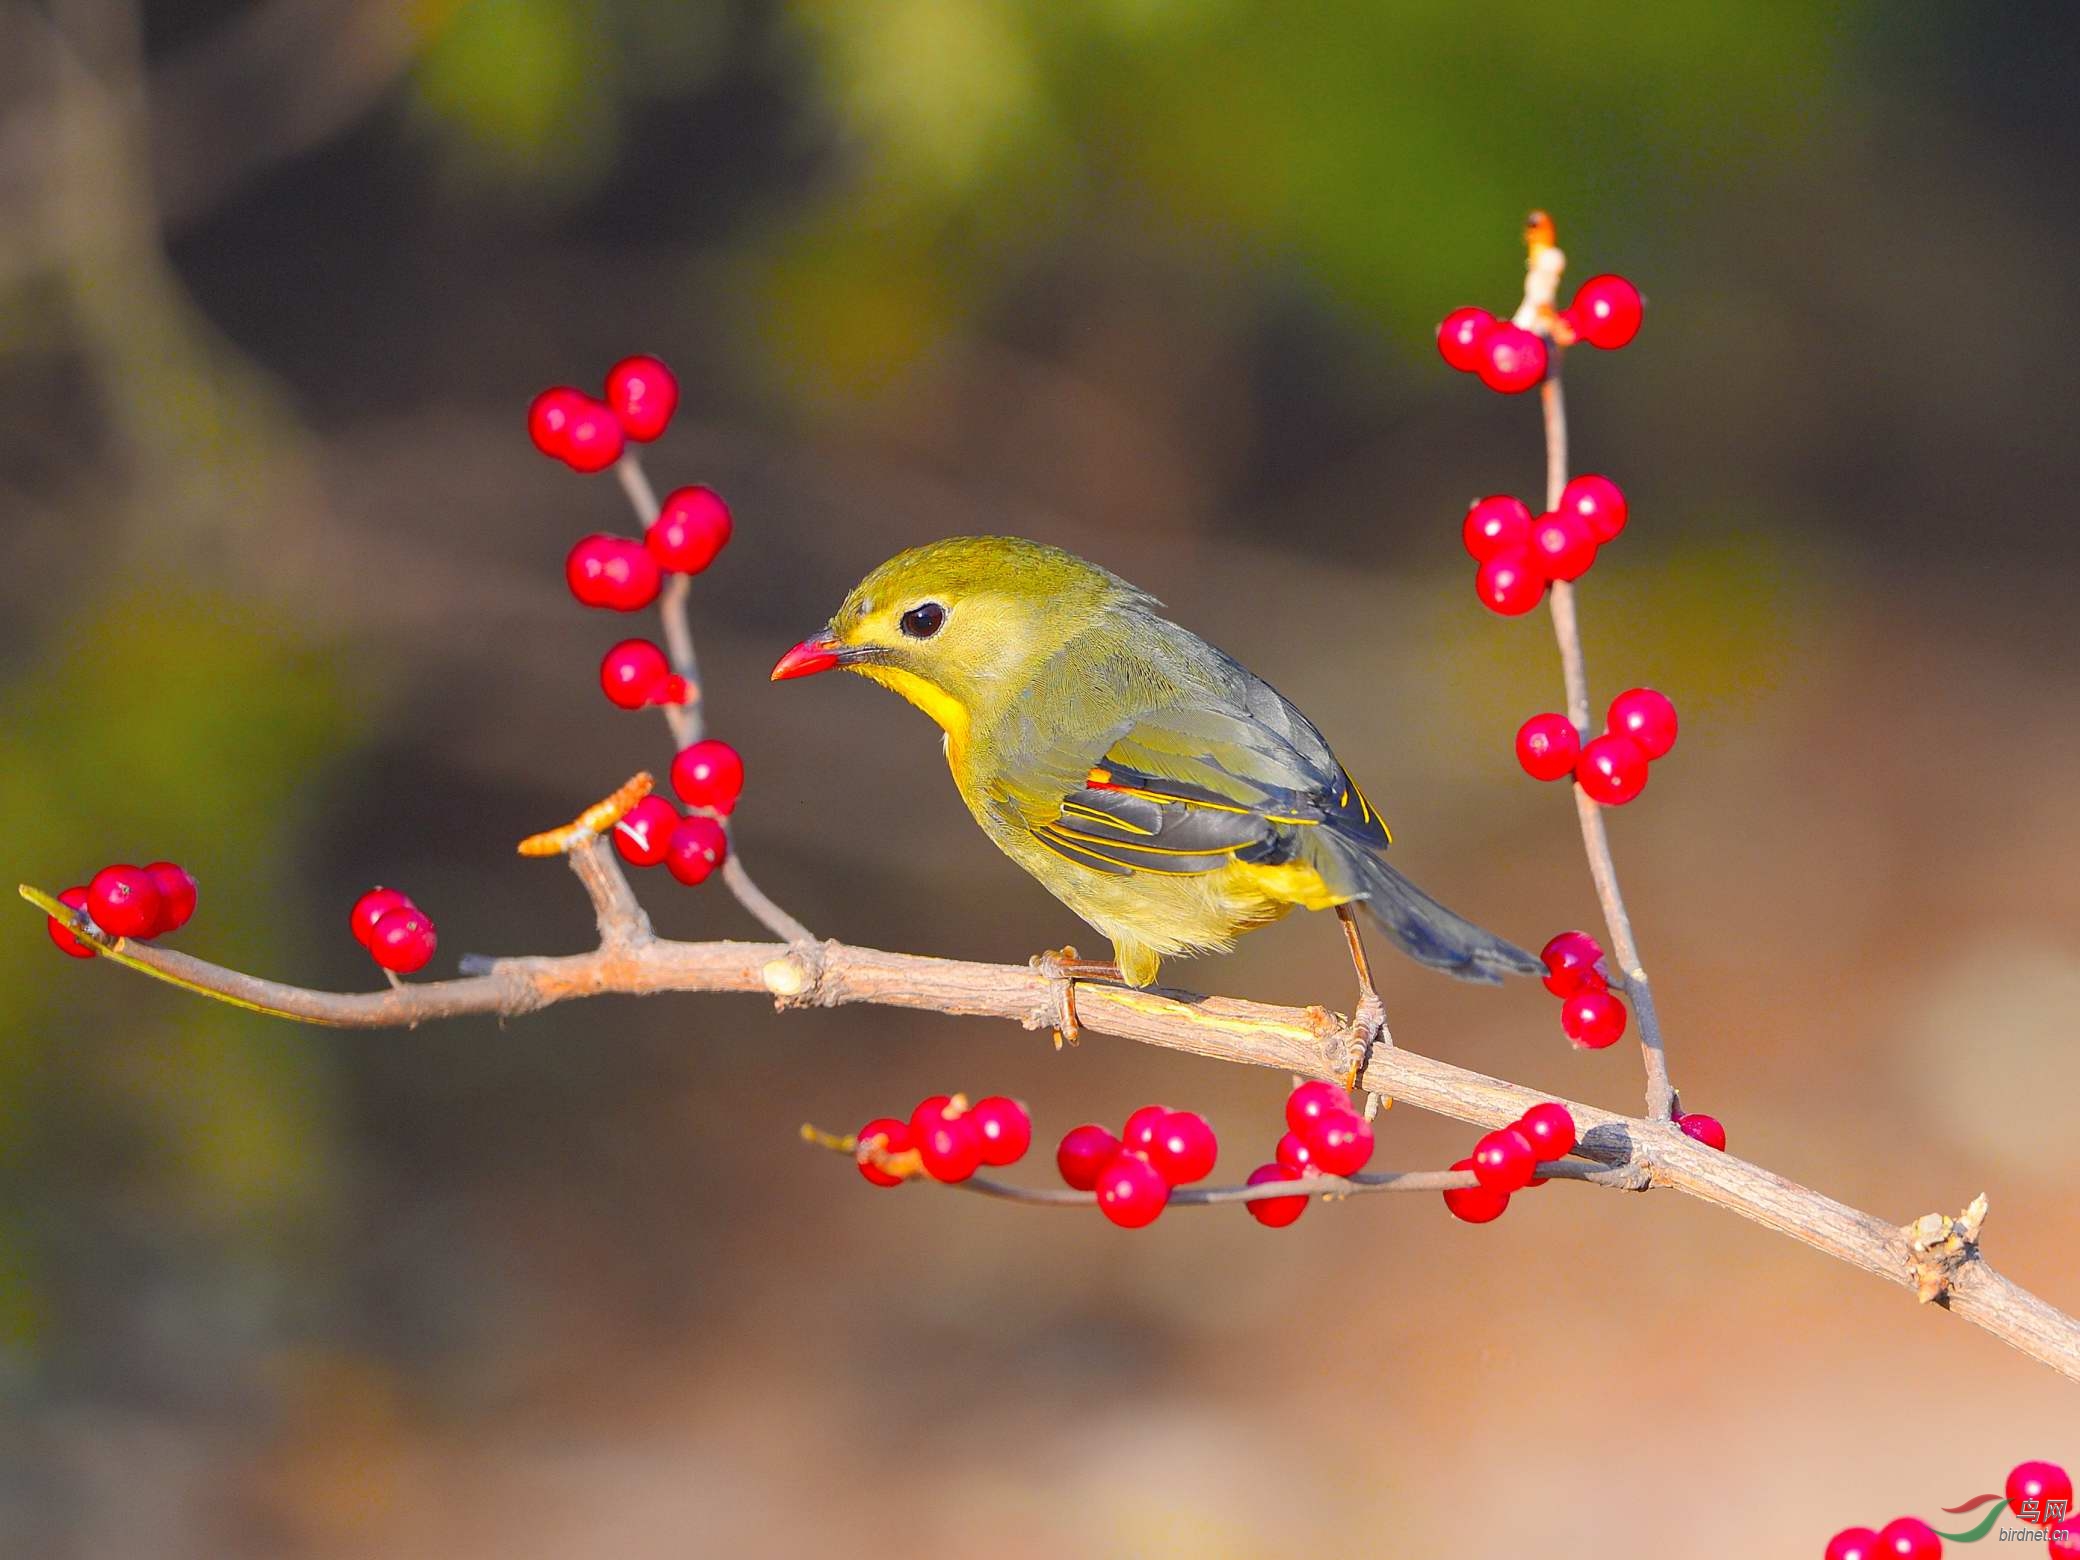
x: 697, y: 847
x: 1085, y: 1150
x: 1510, y: 582
x: 1562, y: 545
x: 1592, y: 1019
x: 951, y: 1148
x: 673, y: 690
x: 1005, y: 1127
x: 592, y: 437
x: 2045, y: 1483
x: 1909, y: 1538
x: 1140, y: 1131
x: 1606, y: 312
x: 1475, y: 1204
x: 709, y: 774
x: 1184, y: 1147
x: 1131, y: 1191
x: 2064, y: 1537
x: 74, y: 898
x: 644, y: 394
x: 1312, y: 1100
x: 1459, y: 338
x: 612, y: 572
x: 1612, y: 769
x: 1275, y: 1212
x: 371, y: 907
x: 124, y: 901
x: 1293, y: 1153
x: 930, y: 1111
x: 1547, y: 747
x: 176, y: 895
x: 1598, y: 501
x: 1857, y: 1543
x: 1570, y: 960
x: 1340, y: 1143
x: 1495, y: 524
x: 1647, y: 717
x: 1549, y: 1129
x: 633, y: 673
x: 645, y: 831
x: 1708, y: 1130
x: 1511, y: 359
x: 896, y: 1138
x: 1504, y: 1161
x: 549, y: 419
x: 692, y: 527
x: 403, y: 940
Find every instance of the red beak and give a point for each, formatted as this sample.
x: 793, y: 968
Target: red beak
x: 817, y: 653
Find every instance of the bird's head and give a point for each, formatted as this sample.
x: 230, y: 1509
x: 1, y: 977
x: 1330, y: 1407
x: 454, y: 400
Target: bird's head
x: 960, y: 627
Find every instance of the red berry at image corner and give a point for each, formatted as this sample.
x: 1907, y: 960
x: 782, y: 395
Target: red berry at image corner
x: 1275, y: 1212
x: 1909, y: 1538
x: 1612, y: 770
x: 632, y: 673
x: 1504, y: 1161
x: 645, y: 831
x: 1495, y: 524
x: 1547, y: 747
x: 1312, y: 1100
x: 1140, y: 1131
x: 644, y: 394
x: 549, y: 418
x: 1510, y: 582
x: 1549, y: 1129
x: 1084, y: 1151
x: 1647, y: 717
x: 612, y: 572
x: 1512, y: 359
x: 1340, y: 1143
x: 697, y: 847
x: 74, y: 898
x: 1708, y: 1130
x: 403, y: 940
x: 1598, y: 501
x: 1293, y: 1153
x: 1593, y: 1019
x: 708, y: 774
x: 1562, y: 545
x: 951, y: 1148
x: 124, y: 901
x: 896, y: 1136
x: 1859, y: 1543
x: 1475, y: 1204
x: 371, y: 907
x: 1183, y: 1148
x: 176, y: 887
x: 1131, y: 1191
x: 1460, y: 336
x: 2064, y: 1538
x: 1606, y: 312
x: 1570, y: 961
x: 693, y: 525
x: 2045, y: 1483
x: 1006, y: 1129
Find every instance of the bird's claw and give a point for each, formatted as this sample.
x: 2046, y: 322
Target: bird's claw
x: 1368, y: 1028
x: 1055, y: 965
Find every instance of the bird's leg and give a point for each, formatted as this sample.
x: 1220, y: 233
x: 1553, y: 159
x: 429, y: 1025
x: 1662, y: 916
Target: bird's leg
x: 1065, y: 968
x: 1369, y: 1022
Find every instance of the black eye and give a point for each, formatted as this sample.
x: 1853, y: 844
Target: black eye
x: 923, y: 622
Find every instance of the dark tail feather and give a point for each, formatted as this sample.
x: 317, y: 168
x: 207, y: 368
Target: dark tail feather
x: 1430, y: 934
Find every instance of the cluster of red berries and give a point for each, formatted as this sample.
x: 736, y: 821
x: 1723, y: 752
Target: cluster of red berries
x: 1521, y: 554
x: 1133, y: 1174
x: 621, y: 574
x: 398, y: 935
x: 1612, y: 768
x: 589, y: 435
x: 1324, y: 1136
x: 1507, y: 1161
x: 708, y: 775
x: 125, y: 901
x: 1606, y: 313
x: 1590, y: 1015
x: 945, y: 1138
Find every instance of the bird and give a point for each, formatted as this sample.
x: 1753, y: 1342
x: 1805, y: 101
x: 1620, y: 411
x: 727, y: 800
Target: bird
x: 1162, y: 791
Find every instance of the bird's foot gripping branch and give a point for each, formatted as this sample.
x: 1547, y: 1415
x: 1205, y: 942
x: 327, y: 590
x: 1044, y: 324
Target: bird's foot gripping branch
x: 1121, y: 823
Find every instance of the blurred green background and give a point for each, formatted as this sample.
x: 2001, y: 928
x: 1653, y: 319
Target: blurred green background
x: 1155, y: 280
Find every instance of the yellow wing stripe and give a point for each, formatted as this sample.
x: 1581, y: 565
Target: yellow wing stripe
x: 1054, y: 841
x: 1107, y: 819
x: 1142, y: 850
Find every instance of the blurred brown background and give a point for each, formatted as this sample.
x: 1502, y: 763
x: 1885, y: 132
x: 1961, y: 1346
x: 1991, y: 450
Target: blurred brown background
x: 1153, y: 279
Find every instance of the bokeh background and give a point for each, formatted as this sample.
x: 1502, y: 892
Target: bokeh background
x: 1155, y: 280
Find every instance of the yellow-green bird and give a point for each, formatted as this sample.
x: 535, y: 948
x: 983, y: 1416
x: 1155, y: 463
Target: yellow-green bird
x: 1159, y: 789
